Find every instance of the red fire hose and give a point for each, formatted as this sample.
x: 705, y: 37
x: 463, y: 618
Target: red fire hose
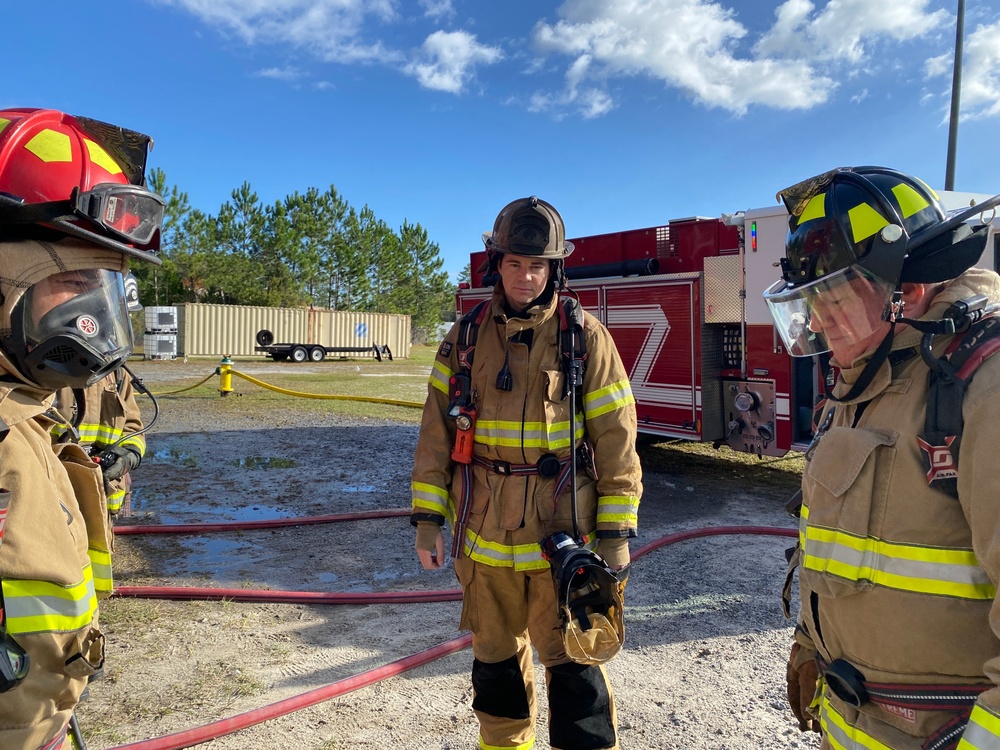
x: 208, y: 732
x: 272, y: 523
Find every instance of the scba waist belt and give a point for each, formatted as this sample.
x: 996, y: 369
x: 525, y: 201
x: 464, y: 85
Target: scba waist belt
x: 848, y: 684
x: 548, y: 466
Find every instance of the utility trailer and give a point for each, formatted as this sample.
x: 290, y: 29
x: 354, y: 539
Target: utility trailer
x: 312, y: 352
x: 683, y: 303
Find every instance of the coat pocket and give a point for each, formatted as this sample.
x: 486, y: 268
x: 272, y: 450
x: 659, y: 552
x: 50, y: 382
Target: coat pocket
x: 846, y: 486
x: 88, y: 486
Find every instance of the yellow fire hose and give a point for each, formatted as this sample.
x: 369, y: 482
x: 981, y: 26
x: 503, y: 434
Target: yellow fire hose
x: 301, y: 394
x: 225, y: 372
x: 190, y: 387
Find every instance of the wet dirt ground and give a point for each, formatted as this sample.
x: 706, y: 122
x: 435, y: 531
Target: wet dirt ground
x: 704, y: 660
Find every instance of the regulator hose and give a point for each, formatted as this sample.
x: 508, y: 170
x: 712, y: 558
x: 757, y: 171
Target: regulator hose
x: 217, y: 729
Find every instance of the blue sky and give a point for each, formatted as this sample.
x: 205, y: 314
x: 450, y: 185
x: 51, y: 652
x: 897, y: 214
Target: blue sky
x: 622, y: 113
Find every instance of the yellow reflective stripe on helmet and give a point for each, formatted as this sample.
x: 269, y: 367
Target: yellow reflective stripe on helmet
x: 440, y: 375
x: 944, y: 571
x: 615, y: 396
x: 101, y: 158
x: 4, y: 122
x: 840, y: 734
x: 51, y: 146
x: 815, y: 209
x: 618, y: 509
x: 865, y: 221
x: 43, y: 606
x: 427, y: 497
x: 100, y: 563
x: 982, y: 731
x: 539, y: 435
x: 910, y: 201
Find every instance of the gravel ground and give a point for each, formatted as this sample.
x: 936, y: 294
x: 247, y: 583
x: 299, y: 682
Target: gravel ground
x: 704, y: 659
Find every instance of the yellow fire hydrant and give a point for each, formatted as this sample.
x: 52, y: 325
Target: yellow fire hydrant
x: 224, y: 371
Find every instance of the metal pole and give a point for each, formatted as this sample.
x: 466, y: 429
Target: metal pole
x: 956, y: 93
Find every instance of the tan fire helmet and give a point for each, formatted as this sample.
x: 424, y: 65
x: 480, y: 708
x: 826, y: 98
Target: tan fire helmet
x: 530, y: 227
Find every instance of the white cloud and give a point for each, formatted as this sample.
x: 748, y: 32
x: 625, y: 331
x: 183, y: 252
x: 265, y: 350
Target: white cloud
x: 838, y: 32
x: 448, y: 61
x: 700, y: 47
x: 331, y: 29
x: 439, y: 10
x: 980, y: 94
x: 859, y: 97
x: 688, y: 44
x: 287, y: 73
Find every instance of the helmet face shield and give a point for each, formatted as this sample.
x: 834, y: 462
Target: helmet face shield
x: 74, y: 328
x: 842, y: 312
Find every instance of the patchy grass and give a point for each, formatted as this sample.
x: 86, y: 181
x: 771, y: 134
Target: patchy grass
x: 694, y: 460
x: 402, y: 380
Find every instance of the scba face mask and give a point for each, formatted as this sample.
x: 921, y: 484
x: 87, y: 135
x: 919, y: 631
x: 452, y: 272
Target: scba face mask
x: 72, y: 328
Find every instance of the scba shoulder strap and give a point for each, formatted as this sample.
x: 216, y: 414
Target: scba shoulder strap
x: 572, y: 342
x: 947, y: 384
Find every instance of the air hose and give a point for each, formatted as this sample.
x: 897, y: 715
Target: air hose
x: 224, y: 727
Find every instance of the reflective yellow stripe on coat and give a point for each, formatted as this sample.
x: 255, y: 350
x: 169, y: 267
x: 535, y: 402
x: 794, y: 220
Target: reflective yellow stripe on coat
x: 615, y: 396
x: 516, y: 556
x: 982, y: 731
x: 100, y: 563
x: 509, y: 434
x: 430, y: 499
x: 840, y: 734
x: 922, y: 569
x: 45, y: 607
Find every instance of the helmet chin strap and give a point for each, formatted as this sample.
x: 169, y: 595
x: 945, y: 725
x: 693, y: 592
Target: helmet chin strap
x: 879, y: 357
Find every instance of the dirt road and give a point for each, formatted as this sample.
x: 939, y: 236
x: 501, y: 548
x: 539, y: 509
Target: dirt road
x: 703, y: 666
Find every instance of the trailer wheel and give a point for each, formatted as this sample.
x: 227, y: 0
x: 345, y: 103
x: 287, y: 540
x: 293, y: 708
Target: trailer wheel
x: 299, y: 354
x: 264, y: 337
x: 317, y: 354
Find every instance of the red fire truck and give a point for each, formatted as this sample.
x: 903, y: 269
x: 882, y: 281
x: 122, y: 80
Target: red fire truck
x: 684, y: 304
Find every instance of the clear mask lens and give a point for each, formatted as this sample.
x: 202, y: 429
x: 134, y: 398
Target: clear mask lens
x: 76, y: 327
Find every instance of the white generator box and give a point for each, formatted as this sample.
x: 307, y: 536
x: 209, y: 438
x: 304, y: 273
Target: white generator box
x: 159, y: 346
x: 161, y: 320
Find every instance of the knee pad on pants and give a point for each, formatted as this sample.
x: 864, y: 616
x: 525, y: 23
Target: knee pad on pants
x: 580, y: 713
x: 500, y: 689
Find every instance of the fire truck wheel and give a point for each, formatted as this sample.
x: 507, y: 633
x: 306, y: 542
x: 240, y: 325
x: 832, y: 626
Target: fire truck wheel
x: 317, y: 354
x: 299, y: 354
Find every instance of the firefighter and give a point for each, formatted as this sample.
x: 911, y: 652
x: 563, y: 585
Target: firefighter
x: 493, y: 459
x: 73, y: 212
x: 108, y: 423
x: 897, y: 642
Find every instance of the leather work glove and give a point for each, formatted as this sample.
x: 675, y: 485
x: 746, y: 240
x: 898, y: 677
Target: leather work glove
x: 430, y: 544
x: 116, y: 460
x: 802, y: 675
x: 614, y: 550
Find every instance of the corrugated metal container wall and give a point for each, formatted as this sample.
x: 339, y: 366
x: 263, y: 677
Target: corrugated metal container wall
x: 216, y: 330
x: 345, y: 328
